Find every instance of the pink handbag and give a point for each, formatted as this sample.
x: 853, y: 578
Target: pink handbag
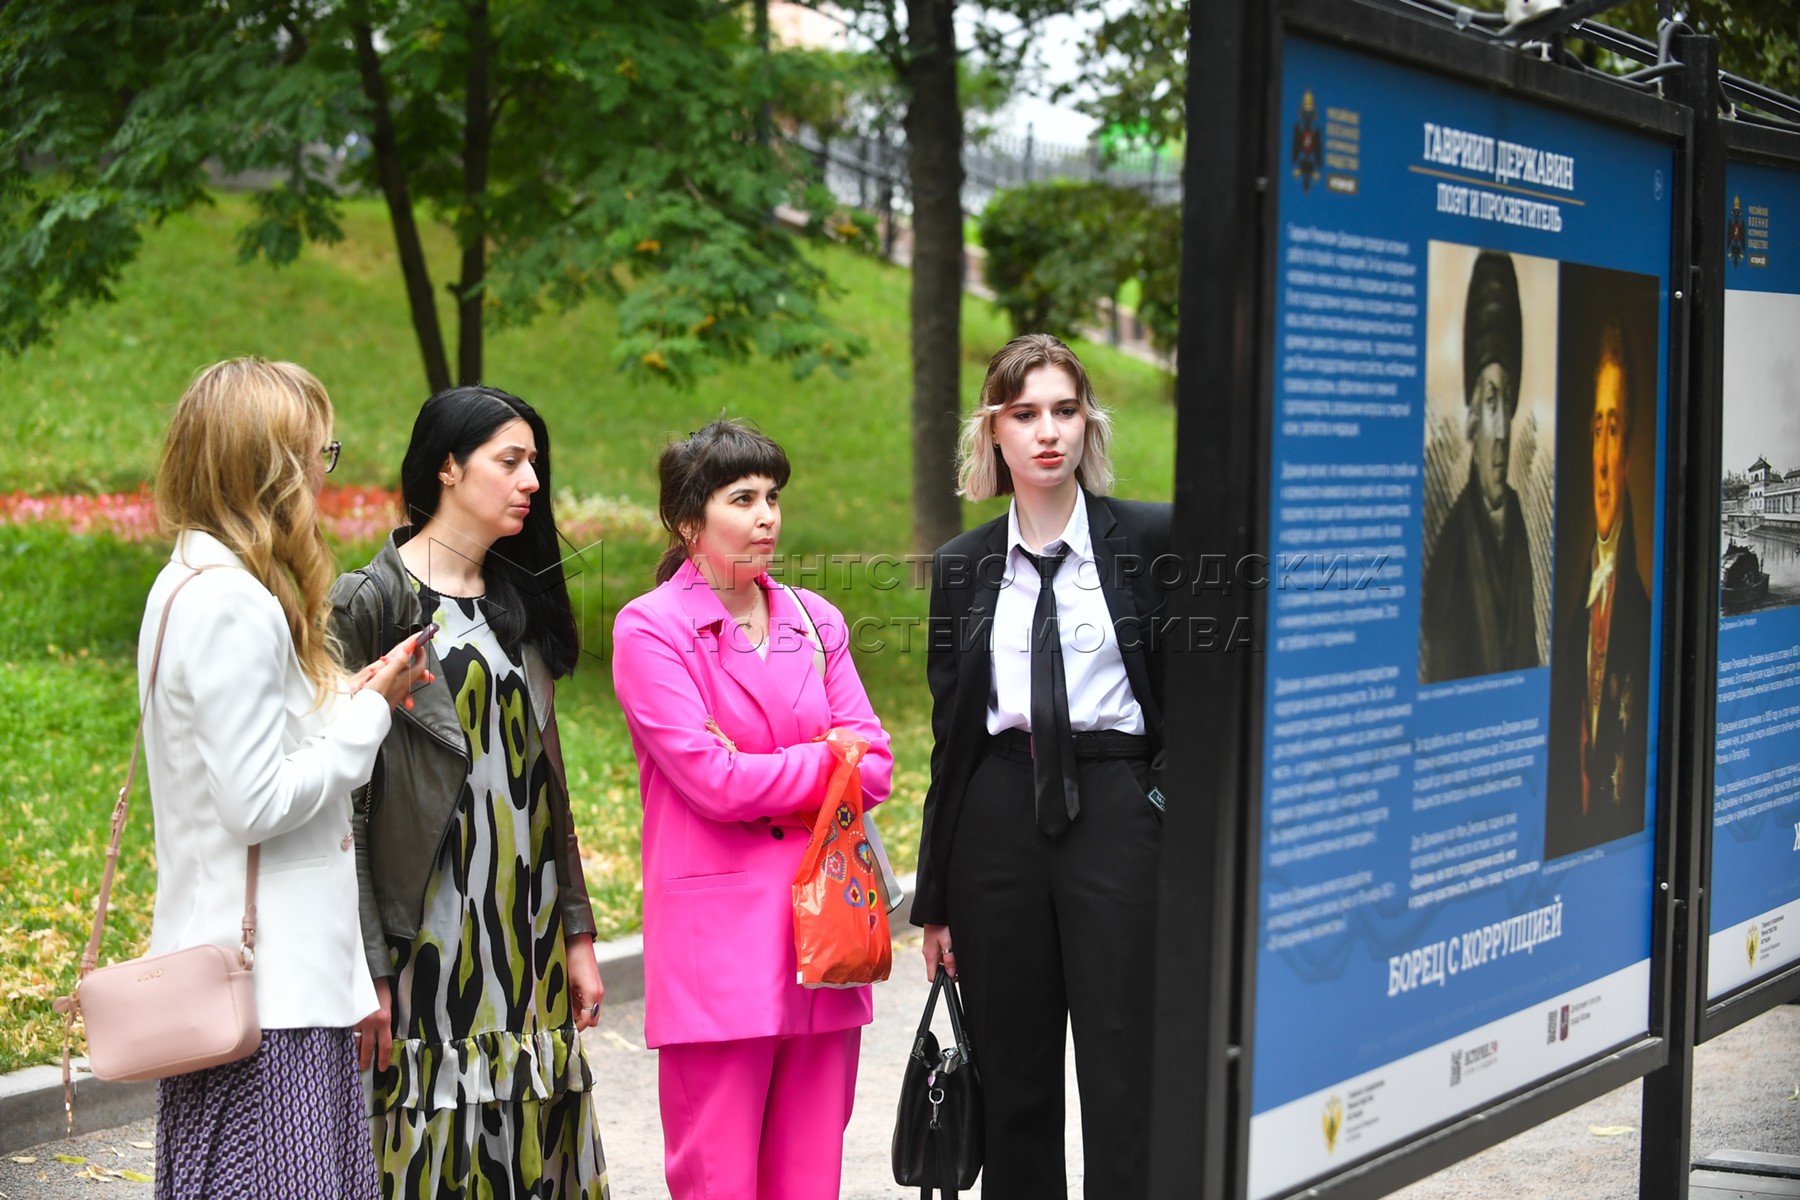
x: 165, y: 1014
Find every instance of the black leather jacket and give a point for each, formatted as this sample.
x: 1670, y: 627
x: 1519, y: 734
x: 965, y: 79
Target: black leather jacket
x: 402, y: 816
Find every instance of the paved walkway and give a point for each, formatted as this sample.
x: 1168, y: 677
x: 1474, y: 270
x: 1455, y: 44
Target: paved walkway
x: 1747, y: 1098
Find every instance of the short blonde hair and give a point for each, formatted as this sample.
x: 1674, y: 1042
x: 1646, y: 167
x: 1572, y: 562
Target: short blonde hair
x: 982, y: 473
x: 236, y: 464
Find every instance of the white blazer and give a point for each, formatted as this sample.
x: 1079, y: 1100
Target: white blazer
x: 237, y: 754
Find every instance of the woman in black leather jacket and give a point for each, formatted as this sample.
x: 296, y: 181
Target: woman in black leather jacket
x: 474, y: 909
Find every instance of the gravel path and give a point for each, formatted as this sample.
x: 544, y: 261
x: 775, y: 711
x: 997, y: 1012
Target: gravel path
x: 1746, y: 1098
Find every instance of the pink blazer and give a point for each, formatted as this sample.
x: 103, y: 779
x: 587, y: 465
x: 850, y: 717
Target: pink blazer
x: 723, y: 834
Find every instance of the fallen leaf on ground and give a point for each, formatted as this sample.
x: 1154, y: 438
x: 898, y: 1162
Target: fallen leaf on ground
x: 1611, y: 1130
x: 24, y: 1158
x: 613, y: 1037
x: 72, y: 1159
x: 144, y: 1145
x: 1795, y: 1094
x: 137, y: 1176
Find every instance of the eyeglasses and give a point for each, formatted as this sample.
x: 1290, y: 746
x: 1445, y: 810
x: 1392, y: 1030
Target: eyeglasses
x: 330, y: 453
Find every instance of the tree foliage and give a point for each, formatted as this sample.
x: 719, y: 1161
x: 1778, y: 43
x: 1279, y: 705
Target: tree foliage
x: 1758, y: 39
x: 1056, y: 250
x: 918, y: 42
x: 574, y: 147
x: 1134, y: 72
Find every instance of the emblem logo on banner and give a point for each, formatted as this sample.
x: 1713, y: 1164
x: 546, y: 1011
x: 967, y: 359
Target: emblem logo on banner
x: 1734, y: 233
x: 1333, y: 1122
x: 1752, y: 938
x: 1308, y: 146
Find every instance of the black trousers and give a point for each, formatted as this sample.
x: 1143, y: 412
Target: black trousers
x: 1047, y: 934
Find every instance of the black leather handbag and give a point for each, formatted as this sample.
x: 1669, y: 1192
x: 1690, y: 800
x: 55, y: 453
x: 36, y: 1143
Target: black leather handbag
x: 938, y: 1130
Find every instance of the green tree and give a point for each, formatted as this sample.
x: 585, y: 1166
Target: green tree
x: 1134, y: 72
x: 573, y: 147
x: 920, y: 48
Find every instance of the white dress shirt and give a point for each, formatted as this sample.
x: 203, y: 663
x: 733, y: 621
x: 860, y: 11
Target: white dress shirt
x: 237, y: 753
x: 1094, y: 671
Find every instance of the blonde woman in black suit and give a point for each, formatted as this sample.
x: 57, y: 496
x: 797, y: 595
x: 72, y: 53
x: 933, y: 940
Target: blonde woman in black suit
x: 1043, y: 816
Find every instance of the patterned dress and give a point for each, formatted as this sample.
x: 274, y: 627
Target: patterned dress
x: 490, y: 1094
x: 287, y: 1121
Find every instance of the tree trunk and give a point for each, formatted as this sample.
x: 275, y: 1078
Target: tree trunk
x: 760, y: 23
x: 392, y: 176
x: 934, y: 134
x: 472, y: 229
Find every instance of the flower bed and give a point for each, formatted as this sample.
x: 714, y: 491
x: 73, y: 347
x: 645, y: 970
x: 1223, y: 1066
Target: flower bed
x: 354, y: 515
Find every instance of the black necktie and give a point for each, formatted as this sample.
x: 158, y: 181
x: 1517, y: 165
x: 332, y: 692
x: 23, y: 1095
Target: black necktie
x: 1052, y: 750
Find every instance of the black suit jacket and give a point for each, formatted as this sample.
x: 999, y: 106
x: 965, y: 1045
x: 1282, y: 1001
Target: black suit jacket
x: 1129, y: 536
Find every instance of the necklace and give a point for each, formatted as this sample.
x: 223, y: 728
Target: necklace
x: 447, y: 595
x: 756, y: 601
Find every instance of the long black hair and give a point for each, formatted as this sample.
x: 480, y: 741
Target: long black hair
x: 527, y: 593
x: 690, y: 471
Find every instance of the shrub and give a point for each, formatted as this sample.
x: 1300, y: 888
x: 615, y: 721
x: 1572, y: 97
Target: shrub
x: 1055, y: 249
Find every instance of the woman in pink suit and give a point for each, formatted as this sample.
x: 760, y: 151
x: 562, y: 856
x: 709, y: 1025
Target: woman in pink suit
x: 716, y: 672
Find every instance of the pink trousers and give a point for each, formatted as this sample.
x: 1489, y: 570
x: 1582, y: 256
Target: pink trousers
x: 758, y: 1119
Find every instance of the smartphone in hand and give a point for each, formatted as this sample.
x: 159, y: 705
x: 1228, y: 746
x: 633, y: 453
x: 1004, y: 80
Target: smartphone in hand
x: 425, y: 635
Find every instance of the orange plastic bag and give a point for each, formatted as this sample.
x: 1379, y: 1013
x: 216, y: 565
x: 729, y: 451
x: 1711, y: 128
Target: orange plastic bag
x: 841, y: 936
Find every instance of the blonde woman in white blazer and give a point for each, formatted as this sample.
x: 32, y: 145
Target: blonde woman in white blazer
x: 254, y: 737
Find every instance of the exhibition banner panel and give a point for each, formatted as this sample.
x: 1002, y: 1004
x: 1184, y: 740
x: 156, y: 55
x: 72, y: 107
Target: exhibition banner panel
x: 1458, y: 803
x: 1755, y: 897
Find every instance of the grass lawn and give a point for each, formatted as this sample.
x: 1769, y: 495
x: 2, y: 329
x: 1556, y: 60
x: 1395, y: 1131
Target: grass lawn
x: 87, y: 414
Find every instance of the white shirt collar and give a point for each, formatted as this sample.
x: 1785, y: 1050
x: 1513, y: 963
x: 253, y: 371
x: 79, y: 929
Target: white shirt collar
x: 1075, y: 534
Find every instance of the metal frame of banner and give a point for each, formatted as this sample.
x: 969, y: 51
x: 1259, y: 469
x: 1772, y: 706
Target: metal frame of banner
x: 1205, y: 965
x: 1769, y: 145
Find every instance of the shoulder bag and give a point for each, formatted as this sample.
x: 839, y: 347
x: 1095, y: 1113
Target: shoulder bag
x: 164, y: 1014
x: 938, y: 1135
x: 892, y: 893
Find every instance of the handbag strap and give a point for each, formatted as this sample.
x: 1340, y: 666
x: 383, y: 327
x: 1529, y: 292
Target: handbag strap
x: 937, y: 985
x: 90, y: 957
x: 953, y: 1004
x: 70, y: 1006
x: 812, y: 632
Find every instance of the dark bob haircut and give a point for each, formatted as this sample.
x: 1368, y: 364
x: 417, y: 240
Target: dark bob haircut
x: 527, y: 594
x: 690, y: 471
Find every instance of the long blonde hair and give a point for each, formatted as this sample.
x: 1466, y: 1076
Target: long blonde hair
x: 982, y: 473
x: 236, y: 464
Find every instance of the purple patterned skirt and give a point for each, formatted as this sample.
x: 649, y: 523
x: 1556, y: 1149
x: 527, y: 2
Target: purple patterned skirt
x: 287, y: 1123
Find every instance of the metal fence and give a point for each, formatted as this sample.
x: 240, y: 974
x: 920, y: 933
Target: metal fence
x: 871, y: 173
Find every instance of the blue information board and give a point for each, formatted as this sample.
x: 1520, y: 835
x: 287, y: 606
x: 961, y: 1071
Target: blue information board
x: 1755, y: 925
x: 1466, y: 537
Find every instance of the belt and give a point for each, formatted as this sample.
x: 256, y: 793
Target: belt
x: 1015, y: 744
